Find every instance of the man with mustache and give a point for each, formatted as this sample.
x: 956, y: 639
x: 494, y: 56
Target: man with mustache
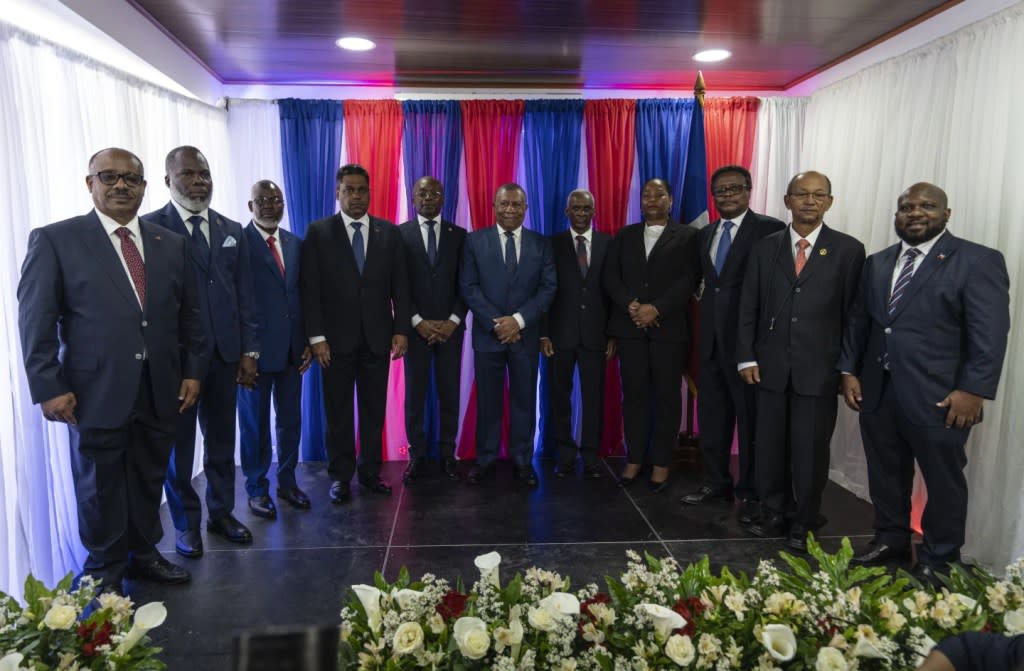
x: 220, y: 261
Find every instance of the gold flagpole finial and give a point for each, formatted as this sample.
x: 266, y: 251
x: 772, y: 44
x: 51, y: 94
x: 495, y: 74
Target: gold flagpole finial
x: 698, y: 88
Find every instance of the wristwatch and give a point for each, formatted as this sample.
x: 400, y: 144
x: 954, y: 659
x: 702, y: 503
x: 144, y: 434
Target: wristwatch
x: 255, y: 356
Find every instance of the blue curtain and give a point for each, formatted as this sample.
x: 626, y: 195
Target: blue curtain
x: 311, y: 153
x: 551, y: 155
x: 662, y: 135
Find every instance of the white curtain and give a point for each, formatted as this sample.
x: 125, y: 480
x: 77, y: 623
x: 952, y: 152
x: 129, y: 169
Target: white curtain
x: 780, y: 128
x: 947, y: 113
x: 254, y: 128
x: 57, y: 108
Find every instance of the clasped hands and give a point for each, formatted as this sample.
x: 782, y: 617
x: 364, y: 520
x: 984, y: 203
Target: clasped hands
x: 436, y: 331
x: 644, y: 315
x: 322, y: 351
x: 506, y: 329
x: 964, y: 408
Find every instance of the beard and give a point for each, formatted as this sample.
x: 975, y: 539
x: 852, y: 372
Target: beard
x: 194, y: 205
x: 267, y: 223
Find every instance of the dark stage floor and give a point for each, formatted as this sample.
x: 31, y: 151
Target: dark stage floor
x: 300, y: 565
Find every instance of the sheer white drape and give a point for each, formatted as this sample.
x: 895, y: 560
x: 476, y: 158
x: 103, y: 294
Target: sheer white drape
x: 57, y: 108
x: 254, y: 127
x: 947, y: 113
x: 780, y: 128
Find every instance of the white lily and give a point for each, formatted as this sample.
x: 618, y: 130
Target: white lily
x: 488, y: 565
x: 780, y: 641
x: 561, y: 603
x: 664, y: 619
x: 11, y: 662
x: 150, y: 616
x: 369, y: 597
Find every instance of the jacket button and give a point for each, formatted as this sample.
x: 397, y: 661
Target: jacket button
x: 144, y: 323
x: 138, y: 357
x: 717, y: 289
x: 583, y: 307
x: 795, y: 319
x: 888, y: 330
x: 797, y: 290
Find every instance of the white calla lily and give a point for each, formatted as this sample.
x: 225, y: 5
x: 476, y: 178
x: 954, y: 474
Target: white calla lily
x: 780, y: 641
x: 867, y: 648
x: 406, y: 598
x: 11, y: 662
x: 561, y: 603
x: 369, y: 597
x: 150, y: 616
x: 664, y: 619
x: 1013, y: 622
x: 488, y: 565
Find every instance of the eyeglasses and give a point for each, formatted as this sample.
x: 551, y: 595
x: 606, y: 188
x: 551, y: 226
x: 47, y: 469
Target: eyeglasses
x: 268, y: 200
x: 110, y: 177
x: 353, y: 191
x: 817, y: 196
x: 428, y: 194
x: 729, y: 190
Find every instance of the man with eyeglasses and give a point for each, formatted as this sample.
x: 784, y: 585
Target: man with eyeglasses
x: 219, y: 252
x: 433, y: 252
x: 796, y: 295
x: 114, y: 348
x: 284, y: 357
x: 724, y: 403
x: 355, y: 298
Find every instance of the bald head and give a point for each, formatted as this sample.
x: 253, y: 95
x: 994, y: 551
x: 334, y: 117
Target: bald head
x: 266, y: 204
x: 922, y: 212
x: 117, y: 184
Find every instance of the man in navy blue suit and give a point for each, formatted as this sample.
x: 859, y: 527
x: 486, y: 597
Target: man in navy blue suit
x: 508, y: 281
x: 113, y: 346
x: 220, y: 260
x: 923, y: 347
x: 284, y: 356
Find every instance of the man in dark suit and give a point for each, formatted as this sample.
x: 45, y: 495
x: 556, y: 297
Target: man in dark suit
x: 220, y: 261
x: 724, y: 403
x: 433, y: 252
x: 573, y: 336
x: 649, y: 275
x: 923, y: 348
x: 796, y: 294
x: 508, y: 281
x: 284, y: 356
x: 355, y: 301
x: 113, y: 346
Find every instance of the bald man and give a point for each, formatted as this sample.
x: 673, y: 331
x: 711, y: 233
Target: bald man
x: 922, y: 349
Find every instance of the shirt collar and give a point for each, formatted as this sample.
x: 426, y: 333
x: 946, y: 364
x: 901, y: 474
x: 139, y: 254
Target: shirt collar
x: 515, y: 233
x: 264, y: 234
x: 588, y: 235
x: 812, y: 237
x: 924, y: 247
x: 364, y: 220
x: 423, y: 220
x: 736, y: 221
x: 110, y: 226
x: 185, y: 214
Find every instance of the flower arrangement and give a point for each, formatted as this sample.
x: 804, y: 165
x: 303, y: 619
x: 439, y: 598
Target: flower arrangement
x: 77, y: 630
x: 659, y: 615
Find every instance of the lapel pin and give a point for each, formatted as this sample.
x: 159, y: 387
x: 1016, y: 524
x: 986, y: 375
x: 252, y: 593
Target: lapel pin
x: 941, y: 256
x: 157, y: 237
x: 822, y: 252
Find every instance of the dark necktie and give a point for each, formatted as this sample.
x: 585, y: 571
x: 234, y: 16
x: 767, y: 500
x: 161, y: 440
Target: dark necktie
x: 903, y: 280
x: 272, y: 243
x: 510, y: 253
x: 581, y: 254
x: 431, y: 242
x: 724, y: 243
x: 357, y: 246
x: 133, y: 260
x: 198, y: 239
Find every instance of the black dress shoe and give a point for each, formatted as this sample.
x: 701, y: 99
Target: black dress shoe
x: 295, y: 497
x: 749, y: 511
x: 706, y: 495
x: 927, y: 576
x: 564, y: 470
x: 527, y: 475
x: 479, y: 473
x: 592, y: 471
x: 797, y: 538
x: 340, y: 492
x: 413, y: 470
x: 450, y: 468
x: 230, y: 529
x: 189, y: 544
x: 657, y: 487
x: 375, y: 485
x: 880, y: 553
x: 157, y: 570
x: 769, y: 526
x: 263, y: 506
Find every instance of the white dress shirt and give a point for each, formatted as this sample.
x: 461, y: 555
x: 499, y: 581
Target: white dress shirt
x: 111, y: 227
x: 651, y: 235
x: 185, y: 214
x: 277, y: 240
x: 716, y: 239
x: 924, y: 248
x: 517, y: 237
x: 425, y: 232
x: 586, y: 241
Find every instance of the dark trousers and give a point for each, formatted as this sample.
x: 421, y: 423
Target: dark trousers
x: 724, y: 402
x: 793, y: 436
x: 285, y: 387
x: 118, y: 474
x: 521, y: 365
x: 445, y: 361
x: 216, y: 412
x: 365, y: 373
x: 652, y: 400
x: 591, y: 366
x: 891, y: 444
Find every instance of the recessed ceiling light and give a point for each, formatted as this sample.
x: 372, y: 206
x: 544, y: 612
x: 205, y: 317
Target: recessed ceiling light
x: 711, y: 55
x: 355, y: 43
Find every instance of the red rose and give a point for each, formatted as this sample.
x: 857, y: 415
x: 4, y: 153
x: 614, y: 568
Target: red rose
x: 452, y: 606
x: 689, y: 608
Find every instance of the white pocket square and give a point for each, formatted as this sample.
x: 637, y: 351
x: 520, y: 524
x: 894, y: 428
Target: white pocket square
x: 230, y: 241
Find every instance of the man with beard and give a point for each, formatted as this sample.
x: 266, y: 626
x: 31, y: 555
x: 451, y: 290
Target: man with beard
x: 284, y: 356
x: 220, y: 260
x: 923, y: 348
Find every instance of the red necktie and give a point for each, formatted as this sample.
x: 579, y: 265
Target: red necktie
x: 272, y: 243
x: 801, y: 255
x: 132, y: 258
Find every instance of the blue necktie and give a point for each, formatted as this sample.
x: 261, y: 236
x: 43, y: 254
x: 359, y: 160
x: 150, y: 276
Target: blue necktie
x: 724, y: 242
x: 906, y: 273
x: 431, y: 242
x: 510, y: 253
x: 202, y: 246
x: 357, y: 246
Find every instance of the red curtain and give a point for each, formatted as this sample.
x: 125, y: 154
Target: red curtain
x: 729, y: 125
x: 611, y: 139
x: 373, y: 138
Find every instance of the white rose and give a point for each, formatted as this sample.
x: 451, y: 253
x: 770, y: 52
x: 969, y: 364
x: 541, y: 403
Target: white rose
x: 369, y: 597
x: 470, y: 634
x: 488, y: 565
x: 11, y: 662
x: 830, y: 659
x: 680, y: 650
x: 406, y: 598
x: 780, y: 642
x: 664, y: 619
x: 541, y: 619
x: 408, y: 638
x: 1013, y: 622
x: 562, y: 603
x: 60, y: 617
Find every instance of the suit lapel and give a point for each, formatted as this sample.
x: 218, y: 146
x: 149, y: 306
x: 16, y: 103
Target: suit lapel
x: 94, y: 238
x: 785, y: 257
x: 217, y: 236
x: 155, y: 263
x: 597, y: 247
x: 670, y: 231
x: 268, y: 258
x: 414, y: 233
x: 944, y: 247
x: 179, y: 226
x: 881, y: 279
x: 739, y: 243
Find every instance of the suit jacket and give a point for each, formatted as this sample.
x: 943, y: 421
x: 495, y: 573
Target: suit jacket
x: 792, y: 327
x: 578, y: 316
x: 434, y: 289
x: 82, y: 329
x: 948, y: 330
x: 282, y: 334
x: 720, y: 300
x: 343, y: 305
x: 666, y: 279
x: 227, y: 303
x: 490, y: 294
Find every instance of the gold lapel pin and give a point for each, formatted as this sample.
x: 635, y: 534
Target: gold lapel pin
x: 822, y: 252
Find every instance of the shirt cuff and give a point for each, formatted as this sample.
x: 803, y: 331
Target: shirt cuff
x: 454, y: 318
x: 519, y: 320
x: 315, y: 339
x: 416, y: 319
x: 745, y: 364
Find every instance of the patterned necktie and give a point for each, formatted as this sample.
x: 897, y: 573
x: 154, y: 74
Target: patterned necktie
x: 801, y: 255
x: 903, y: 280
x: 132, y: 258
x: 431, y: 242
x: 510, y: 253
x: 724, y: 243
x: 358, y: 248
x: 581, y: 254
x: 198, y: 239
x: 272, y: 243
